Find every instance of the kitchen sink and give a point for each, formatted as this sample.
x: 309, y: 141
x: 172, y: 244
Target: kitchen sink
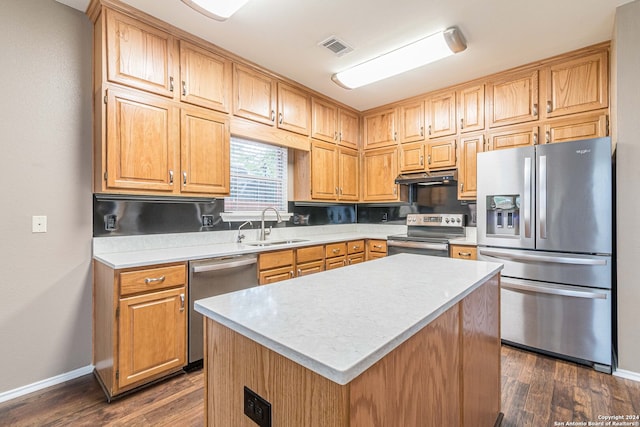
x: 275, y: 242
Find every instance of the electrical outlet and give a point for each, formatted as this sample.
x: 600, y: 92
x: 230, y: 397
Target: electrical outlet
x: 256, y: 408
x: 207, y: 220
x: 39, y: 224
x: 110, y: 222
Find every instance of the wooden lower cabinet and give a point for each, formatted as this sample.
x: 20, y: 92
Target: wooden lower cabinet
x: 335, y: 255
x: 275, y: 266
x: 140, y: 324
x: 355, y: 252
x: 376, y: 249
x: 463, y: 251
x: 309, y: 260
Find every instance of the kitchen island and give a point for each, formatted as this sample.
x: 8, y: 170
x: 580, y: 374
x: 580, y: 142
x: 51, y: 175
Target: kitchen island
x: 407, y: 340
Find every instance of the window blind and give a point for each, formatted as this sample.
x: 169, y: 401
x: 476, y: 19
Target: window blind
x: 258, y: 177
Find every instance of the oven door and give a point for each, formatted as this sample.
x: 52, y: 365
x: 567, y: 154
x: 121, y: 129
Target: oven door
x: 416, y: 247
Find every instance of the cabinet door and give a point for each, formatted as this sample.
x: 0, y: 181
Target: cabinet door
x: 294, y: 107
x: 324, y: 160
x: 311, y: 267
x: 471, y: 108
x: 380, y: 172
x: 513, y: 99
x: 578, y: 85
x: 412, y: 122
x: 441, y: 115
x: 412, y: 157
x: 275, y: 275
x: 204, y: 152
x: 139, y: 55
x: 348, y: 128
x: 512, y: 138
x: 380, y: 129
x: 141, y: 142
x: 333, y: 263
x: 254, y: 95
x: 152, y: 335
x: 470, y: 146
x: 355, y: 258
x: 577, y: 127
x: 348, y: 174
x: 205, y: 78
x: 441, y: 154
x: 324, y: 120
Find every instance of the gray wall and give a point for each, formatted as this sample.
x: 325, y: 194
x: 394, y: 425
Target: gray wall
x: 626, y: 116
x: 45, y: 134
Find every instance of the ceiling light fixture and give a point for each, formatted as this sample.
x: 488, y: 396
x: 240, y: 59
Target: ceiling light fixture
x: 424, y: 51
x: 219, y: 10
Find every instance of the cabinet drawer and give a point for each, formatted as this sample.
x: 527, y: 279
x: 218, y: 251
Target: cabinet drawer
x: 355, y: 259
x: 355, y: 247
x: 275, y: 259
x: 152, y: 279
x: 311, y: 253
x: 275, y: 275
x: 463, y: 252
x: 336, y: 249
x: 379, y: 246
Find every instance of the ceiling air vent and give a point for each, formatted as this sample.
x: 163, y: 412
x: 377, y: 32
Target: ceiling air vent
x: 336, y: 46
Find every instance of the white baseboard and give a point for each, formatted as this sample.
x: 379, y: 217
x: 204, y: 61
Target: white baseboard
x: 30, y: 388
x: 634, y: 376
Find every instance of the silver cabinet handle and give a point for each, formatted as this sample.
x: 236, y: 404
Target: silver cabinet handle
x: 170, y: 177
x: 429, y: 159
x: 395, y: 136
x: 280, y: 118
x: 461, y: 123
x: 429, y: 130
x: 543, y: 197
x: 150, y: 280
x: 336, y: 190
x: 421, y: 130
x: 521, y: 285
x: 356, y: 247
x: 461, y: 187
x: 526, y: 205
x: 273, y: 115
x: 335, y: 251
x: 184, y: 178
x: 341, y: 191
x: 335, y: 136
x: 299, y: 272
x: 181, y: 302
x: 548, y: 136
x: 184, y: 88
x: 421, y: 160
x: 535, y: 109
x: 535, y: 138
x: 171, y: 84
x: 291, y: 274
x: 549, y: 107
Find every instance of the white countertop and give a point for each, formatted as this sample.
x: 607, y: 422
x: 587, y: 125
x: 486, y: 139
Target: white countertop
x: 338, y: 323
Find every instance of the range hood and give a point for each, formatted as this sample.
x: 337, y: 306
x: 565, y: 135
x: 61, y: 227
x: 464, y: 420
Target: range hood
x: 429, y: 178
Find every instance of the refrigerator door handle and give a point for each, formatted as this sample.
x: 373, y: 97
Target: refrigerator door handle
x: 543, y: 197
x: 541, y: 258
x: 522, y: 285
x: 527, y: 197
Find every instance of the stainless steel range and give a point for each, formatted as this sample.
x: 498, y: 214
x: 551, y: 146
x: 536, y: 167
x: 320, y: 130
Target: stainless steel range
x: 427, y: 234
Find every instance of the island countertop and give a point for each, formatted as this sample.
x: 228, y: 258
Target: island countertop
x: 340, y: 322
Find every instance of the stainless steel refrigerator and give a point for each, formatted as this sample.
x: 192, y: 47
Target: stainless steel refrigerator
x: 545, y: 212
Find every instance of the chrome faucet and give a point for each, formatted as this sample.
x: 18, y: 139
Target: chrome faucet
x: 264, y: 233
x: 242, y: 236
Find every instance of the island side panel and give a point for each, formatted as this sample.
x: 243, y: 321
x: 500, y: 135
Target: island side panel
x: 481, y: 355
x: 417, y: 384
x: 298, y: 396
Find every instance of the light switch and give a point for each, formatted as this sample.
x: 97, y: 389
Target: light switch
x: 39, y: 224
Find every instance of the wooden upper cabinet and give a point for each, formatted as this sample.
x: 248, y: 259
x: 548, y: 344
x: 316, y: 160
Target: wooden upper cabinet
x: 348, y: 128
x: 294, y: 108
x: 441, y: 154
x: 348, y: 174
x: 513, y: 99
x: 581, y: 126
x: 470, y: 146
x: 471, y: 108
x: 141, y: 142
x: 204, y: 152
x: 324, y: 175
x: 380, y: 128
x: 140, y: 56
x: 412, y: 157
x: 577, y: 85
x: 324, y: 120
x: 380, y: 171
x: 254, y: 95
x: 412, y: 122
x: 441, y: 115
x: 521, y: 136
x: 205, y: 78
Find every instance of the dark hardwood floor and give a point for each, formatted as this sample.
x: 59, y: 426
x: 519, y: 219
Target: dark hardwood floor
x: 536, y: 391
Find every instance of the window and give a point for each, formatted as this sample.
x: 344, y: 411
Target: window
x: 258, y: 177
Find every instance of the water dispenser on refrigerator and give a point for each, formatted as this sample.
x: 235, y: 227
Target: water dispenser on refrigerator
x: 503, y: 215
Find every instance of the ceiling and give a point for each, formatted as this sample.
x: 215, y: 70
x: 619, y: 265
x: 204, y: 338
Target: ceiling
x: 283, y: 36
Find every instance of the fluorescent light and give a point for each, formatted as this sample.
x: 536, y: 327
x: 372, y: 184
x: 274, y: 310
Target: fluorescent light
x: 424, y: 51
x: 219, y: 10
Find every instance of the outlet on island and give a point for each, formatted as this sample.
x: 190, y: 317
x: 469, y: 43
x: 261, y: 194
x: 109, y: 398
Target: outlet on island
x: 256, y: 408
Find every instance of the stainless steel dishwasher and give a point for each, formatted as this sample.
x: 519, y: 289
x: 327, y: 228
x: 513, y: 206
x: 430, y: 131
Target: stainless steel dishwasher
x: 211, y: 277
